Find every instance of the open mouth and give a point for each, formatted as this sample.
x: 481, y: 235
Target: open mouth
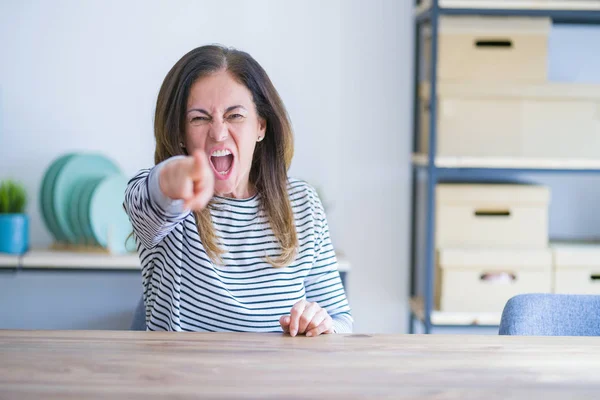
x: 221, y: 161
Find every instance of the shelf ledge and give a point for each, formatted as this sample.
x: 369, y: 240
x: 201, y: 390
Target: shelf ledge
x: 550, y: 5
x: 560, y: 11
x: 51, y: 259
x: 546, y: 5
x: 9, y: 261
x: 60, y: 259
x: 421, y: 160
x: 458, y: 319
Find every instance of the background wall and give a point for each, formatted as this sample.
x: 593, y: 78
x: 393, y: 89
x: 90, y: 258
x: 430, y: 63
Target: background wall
x: 84, y: 75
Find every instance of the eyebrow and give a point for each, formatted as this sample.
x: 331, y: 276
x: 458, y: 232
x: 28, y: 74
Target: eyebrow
x: 226, y: 111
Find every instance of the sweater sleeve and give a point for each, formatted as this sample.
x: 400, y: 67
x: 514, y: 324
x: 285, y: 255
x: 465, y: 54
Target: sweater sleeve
x: 152, y: 214
x: 323, y: 284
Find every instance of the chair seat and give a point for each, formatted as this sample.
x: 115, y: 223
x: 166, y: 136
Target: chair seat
x: 551, y: 315
x: 139, y: 317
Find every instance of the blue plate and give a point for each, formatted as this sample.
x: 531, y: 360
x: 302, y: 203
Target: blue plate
x: 108, y: 220
x: 78, y: 210
x: 46, y: 199
x: 74, y: 212
x: 78, y: 168
x: 83, y: 211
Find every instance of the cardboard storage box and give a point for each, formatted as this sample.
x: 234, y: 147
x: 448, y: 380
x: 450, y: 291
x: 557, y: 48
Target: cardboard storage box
x: 482, y: 280
x: 492, y: 215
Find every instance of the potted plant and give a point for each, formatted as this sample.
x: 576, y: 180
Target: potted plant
x: 14, y: 225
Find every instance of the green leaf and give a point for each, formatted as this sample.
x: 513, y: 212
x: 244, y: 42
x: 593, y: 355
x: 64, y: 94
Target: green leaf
x: 13, y: 197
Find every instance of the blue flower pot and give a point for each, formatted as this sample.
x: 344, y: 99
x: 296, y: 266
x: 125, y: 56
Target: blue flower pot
x: 14, y: 233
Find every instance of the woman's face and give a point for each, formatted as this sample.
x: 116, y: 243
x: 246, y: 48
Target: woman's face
x: 221, y: 121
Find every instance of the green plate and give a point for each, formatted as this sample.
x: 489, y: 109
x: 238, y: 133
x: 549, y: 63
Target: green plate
x: 84, y: 210
x: 78, y: 168
x: 46, y: 199
x: 75, y: 221
x: 108, y: 219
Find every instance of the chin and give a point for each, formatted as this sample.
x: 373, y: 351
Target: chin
x: 223, y: 188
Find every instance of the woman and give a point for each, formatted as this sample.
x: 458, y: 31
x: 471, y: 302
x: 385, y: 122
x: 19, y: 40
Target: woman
x: 226, y: 241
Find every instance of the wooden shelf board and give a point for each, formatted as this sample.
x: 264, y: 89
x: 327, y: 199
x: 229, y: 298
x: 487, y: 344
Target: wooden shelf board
x: 454, y: 318
x: 61, y: 259
x: 343, y: 265
x: 559, y: 5
x: 78, y: 260
x: 508, y: 163
x: 9, y: 260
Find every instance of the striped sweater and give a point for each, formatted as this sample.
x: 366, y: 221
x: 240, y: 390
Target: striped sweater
x: 185, y: 291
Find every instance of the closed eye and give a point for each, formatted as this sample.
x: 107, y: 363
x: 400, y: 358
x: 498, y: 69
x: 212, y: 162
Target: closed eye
x: 235, y: 116
x: 199, y: 118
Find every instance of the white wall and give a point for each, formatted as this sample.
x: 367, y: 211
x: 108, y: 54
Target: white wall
x: 375, y: 141
x: 84, y: 75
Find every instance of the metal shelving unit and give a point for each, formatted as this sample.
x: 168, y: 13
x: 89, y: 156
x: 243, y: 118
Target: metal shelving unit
x: 439, y: 169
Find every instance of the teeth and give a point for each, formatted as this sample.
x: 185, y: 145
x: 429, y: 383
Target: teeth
x: 224, y: 172
x: 220, y: 153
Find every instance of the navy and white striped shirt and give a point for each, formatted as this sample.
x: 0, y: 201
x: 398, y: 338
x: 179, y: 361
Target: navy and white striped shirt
x: 185, y: 291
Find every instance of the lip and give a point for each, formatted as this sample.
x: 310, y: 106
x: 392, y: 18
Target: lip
x: 217, y: 173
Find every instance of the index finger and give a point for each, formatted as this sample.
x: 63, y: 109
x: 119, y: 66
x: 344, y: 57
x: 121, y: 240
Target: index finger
x: 200, y: 165
x: 295, y: 314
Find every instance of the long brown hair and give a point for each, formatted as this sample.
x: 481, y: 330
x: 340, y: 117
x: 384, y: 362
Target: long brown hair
x: 272, y: 156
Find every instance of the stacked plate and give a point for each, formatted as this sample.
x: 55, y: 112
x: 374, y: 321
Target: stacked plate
x: 81, y: 200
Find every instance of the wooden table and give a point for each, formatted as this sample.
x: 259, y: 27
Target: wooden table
x: 146, y: 365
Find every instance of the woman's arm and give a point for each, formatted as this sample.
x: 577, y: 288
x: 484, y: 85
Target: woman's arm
x: 152, y: 214
x: 323, y: 284
x: 157, y: 200
x: 325, y: 309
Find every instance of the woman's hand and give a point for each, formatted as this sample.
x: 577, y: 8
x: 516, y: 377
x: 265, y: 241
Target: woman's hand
x: 190, y: 178
x: 308, y: 318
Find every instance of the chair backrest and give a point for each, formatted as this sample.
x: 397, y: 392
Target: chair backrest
x: 551, y: 315
x: 139, y: 317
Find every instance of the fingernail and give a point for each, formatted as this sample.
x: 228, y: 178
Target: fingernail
x: 293, y: 333
x: 309, y: 334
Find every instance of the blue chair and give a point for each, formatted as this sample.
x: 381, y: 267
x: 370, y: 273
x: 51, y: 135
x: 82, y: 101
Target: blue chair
x: 139, y: 317
x: 551, y: 315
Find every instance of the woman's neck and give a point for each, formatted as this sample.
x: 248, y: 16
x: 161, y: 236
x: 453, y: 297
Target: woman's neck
x: 240, y: 193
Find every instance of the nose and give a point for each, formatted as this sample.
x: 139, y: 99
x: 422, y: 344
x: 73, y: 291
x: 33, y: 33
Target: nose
x: 218, y: 131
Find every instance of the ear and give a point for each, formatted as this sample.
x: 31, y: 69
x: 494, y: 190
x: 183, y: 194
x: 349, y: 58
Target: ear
x: 183, y: 147
x: 262, y: 127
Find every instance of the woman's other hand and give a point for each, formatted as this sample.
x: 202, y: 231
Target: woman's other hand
x: 308, y: 318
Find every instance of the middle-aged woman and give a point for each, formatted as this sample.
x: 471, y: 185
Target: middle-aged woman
x: 226, y: 240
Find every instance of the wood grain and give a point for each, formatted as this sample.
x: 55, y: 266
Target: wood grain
x: 143, y: 365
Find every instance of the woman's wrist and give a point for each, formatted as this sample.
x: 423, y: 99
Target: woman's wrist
x: 157, y: 192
